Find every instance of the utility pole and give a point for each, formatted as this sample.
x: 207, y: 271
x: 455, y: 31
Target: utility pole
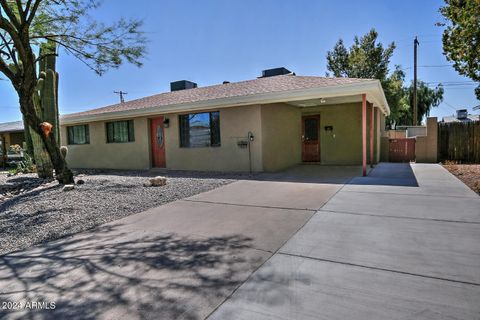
x: 415, y: 111
x: 121, y: 93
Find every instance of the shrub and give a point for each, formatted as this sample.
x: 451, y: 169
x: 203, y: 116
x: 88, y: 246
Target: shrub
x: 24, y: 166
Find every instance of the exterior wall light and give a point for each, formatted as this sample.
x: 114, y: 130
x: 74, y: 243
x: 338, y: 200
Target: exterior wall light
x: 166, y: 122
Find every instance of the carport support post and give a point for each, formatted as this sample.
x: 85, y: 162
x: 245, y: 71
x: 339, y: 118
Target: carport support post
x: 364, y: 134
x: 372, y: 124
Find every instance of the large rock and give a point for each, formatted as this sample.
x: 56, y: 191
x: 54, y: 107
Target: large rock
x: 68, y: 187
x: 158, y: 181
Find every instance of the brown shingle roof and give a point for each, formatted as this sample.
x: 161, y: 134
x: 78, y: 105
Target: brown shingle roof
x: 237, y: 89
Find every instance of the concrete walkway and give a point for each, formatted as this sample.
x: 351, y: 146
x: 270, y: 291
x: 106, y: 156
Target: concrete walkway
x: 302, y: 244
x: 402, y: 243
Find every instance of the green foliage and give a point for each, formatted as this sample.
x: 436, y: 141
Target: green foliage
x: 26, y: 165
x: 461, y: 37
x: 426, y: 99
x: 397, y: 97
x: 69, y: 23
x: 368, y: 59
x: 364, y: 59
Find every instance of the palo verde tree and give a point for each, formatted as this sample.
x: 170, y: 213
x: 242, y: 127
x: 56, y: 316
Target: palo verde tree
x: 27, y: 24
x: 461, y: 37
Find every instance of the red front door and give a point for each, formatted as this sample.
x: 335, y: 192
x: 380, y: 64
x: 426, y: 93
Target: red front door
x: 311, y: 138
x: 158, y: 142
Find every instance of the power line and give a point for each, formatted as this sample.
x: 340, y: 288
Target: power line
x: 449, y: 105
x: 430, y: 66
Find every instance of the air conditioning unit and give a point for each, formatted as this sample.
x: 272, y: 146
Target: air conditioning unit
x: 462, y: 114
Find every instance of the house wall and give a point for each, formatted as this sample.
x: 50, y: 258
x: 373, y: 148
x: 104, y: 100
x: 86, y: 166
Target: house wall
x: 343, y: 146
x: 235, y: 123
x: 277, y: 144
x: 100, y: 154
x: 281, y: 136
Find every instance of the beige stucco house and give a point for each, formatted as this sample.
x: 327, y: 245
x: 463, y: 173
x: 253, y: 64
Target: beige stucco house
x: 266, y: 124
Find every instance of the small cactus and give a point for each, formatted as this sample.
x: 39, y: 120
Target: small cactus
x: 64, y: 151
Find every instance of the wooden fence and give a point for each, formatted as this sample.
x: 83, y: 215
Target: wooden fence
x: 459, y: 141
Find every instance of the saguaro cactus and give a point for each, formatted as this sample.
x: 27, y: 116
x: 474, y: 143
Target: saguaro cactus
x: 48, y: 87
x: 46, y: 106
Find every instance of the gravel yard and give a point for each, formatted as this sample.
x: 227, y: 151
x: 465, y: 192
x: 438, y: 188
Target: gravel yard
x: 34, y: 211
x: 468, y: 173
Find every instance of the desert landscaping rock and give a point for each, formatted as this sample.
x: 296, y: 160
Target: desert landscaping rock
x: 44, y: 212
x: 68, y: 187
x: 158, y: 181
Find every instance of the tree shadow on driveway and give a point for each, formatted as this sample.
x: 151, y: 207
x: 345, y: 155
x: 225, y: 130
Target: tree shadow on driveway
x: 111, y: 273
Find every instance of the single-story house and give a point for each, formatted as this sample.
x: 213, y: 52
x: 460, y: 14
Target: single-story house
x: 267, y: 124
x: 11, y: 133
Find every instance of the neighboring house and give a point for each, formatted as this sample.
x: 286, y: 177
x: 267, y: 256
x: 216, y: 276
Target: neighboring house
x: 11, y: 133
x: 267, y: 124
x: 462, y: 116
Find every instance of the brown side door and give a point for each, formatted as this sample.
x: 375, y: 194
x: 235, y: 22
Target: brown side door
x: 157, y: 137
x: 311, y: 138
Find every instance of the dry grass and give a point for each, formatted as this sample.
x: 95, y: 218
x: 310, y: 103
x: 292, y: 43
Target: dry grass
x: 468, y: 173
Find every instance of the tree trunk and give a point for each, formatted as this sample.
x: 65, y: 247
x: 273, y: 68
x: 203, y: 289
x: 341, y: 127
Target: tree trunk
x: 28, y: 139
x: 40, y: 155
x: 62, y: 173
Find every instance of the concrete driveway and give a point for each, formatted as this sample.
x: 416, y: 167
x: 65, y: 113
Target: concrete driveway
x: 402, y: 243
x: 176, y: 261
x: 302, y: 244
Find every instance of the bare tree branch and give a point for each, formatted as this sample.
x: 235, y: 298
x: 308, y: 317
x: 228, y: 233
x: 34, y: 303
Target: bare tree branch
x: 33, y: 11
x: 11, y: 53
x: 10, y: 13
x: 7, y: 72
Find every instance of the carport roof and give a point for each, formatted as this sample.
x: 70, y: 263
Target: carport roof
x: 281, y: 88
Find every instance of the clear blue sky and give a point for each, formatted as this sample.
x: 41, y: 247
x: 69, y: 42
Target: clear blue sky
x: 211, y: 41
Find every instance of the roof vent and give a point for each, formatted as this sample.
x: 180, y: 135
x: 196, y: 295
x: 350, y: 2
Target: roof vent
x: 462, y: 114
x: 182, y: 85
x: 275, y: 72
